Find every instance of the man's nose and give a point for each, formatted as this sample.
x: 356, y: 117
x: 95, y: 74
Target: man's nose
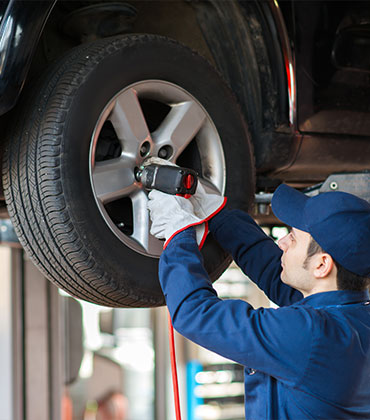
x: 283, y: 243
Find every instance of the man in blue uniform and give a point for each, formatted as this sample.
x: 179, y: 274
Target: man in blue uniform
x: 308, y: 359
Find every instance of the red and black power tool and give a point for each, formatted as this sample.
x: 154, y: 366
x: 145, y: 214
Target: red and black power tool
x: 168, y: 179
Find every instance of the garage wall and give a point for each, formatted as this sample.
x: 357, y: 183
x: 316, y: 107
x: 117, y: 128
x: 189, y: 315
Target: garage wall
x: 42, y: 346
x: 30, y: 341
x: 6, y: 336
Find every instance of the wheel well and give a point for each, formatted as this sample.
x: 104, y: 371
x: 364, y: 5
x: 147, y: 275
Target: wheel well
x: 73, y: 23
x: 239, y: 39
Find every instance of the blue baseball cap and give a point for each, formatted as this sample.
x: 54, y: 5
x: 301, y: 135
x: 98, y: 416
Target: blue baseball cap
x: 339, y: 222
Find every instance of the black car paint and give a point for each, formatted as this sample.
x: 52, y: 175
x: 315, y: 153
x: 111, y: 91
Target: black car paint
x: 283, y: 149
x: 21, y: 26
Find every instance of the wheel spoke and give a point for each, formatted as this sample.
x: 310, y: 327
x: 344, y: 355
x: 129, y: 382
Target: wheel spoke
x: 141, y: 231
x: 209, y: 186
x: 129, y: 122
x: 179, y: 127
x: 113, y: 179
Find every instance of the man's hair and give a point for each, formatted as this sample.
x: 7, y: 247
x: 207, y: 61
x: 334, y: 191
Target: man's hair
x: 346, y: 280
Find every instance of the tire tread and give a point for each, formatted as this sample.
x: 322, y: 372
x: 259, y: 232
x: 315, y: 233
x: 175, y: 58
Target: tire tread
x: 33, y: 184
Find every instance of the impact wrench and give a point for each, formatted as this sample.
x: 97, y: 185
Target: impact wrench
x: 176, y: 181
x: 168, y: 179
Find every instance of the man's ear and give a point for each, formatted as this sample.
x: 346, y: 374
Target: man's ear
x: 323, y: 265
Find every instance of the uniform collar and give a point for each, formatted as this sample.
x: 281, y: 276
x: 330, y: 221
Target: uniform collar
x: 337, y: 297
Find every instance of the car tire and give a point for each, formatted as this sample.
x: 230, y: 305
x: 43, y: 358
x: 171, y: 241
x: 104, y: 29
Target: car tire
x: 64, y: 134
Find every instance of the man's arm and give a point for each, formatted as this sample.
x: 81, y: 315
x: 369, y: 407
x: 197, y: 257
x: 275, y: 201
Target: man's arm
x: 254, y: 252
x: 268, y: 340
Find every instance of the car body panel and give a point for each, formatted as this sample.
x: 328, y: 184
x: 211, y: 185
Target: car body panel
x: 20, y: 29
x: 259, y: 49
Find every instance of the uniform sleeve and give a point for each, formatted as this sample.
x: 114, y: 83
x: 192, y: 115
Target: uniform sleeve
x: 269, y: 340
x: 254, y: 252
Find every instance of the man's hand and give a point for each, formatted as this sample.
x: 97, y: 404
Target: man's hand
x: 170, y: 214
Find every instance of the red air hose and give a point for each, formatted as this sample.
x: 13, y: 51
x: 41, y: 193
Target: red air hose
x: 174, y: 368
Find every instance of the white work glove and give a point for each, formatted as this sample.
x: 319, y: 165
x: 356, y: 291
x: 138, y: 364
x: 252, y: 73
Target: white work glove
x: 206, y: 205
x: 171, y: 214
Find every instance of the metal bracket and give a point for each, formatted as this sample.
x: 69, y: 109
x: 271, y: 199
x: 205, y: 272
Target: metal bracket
x: 357, y: 183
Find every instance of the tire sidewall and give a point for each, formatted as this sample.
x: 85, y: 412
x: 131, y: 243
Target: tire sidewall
x: 158, y: 59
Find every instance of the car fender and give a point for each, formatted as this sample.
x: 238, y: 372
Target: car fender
x: 21, y: 25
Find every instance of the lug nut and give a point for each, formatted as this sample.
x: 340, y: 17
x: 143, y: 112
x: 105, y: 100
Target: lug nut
x: 165, y: 152
x: 144, y: 149
x: 162, y: 154
x: 138, y: 172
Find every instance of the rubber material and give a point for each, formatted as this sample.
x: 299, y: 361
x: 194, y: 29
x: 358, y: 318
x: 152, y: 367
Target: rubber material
x: 46, y: 175
x: 175, y: 381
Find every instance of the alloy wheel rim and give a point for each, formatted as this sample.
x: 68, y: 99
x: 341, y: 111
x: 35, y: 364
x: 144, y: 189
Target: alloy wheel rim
x: 148, y: 118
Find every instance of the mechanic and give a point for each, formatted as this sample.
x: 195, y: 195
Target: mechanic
x: 309, y: 358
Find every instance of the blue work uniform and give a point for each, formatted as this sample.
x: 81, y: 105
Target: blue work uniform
x: 307, y: 359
